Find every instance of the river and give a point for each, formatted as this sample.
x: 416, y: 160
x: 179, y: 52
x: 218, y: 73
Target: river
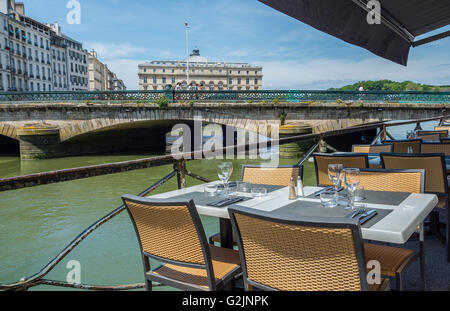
x: 37, y: 223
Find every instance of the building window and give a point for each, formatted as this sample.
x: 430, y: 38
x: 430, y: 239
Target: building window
x: 173, y: 80
x: 230, y: 81
x: 164, y: 80
x: 256, y: 81
x: 154, y: 80
x: 145, y: 79
x: 247, y: 81
x: 239, y: 80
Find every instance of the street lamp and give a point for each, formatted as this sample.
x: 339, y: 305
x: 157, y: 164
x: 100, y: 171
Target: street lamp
x: 187, y: 50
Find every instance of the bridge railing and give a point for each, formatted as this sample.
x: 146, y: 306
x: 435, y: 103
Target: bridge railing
x: 229, y: 96
x: 180, y: 171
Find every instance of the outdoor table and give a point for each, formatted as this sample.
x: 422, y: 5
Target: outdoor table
x: 398, y: 224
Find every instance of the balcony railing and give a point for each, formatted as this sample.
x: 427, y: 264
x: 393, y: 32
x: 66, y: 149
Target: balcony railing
x: 244, y: 96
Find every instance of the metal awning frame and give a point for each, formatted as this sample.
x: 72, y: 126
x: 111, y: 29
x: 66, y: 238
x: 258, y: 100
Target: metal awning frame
x: 392, y: 23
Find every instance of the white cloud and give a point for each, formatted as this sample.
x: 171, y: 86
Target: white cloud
x: 325, y: 73
x: 114, y: 51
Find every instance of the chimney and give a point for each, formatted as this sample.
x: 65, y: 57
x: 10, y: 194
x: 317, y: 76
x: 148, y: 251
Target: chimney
x: 19, y: 7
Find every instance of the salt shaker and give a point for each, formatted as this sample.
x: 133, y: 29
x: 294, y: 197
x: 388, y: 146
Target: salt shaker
x: 300, y: 191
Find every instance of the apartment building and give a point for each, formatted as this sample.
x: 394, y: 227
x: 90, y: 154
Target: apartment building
x: 100, y: 77
x: 36, y: 56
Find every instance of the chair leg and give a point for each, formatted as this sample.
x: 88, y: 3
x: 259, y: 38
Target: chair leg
x: 399, y: 282
x: 148, y: 285
x: 422, y: 258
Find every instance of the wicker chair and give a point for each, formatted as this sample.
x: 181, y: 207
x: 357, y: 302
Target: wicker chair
x: 393, y: 260
x: 373, y: 148
x: 300, y: 255
x: 442, y: 128
x: 427, y: 148
x: 401, y: 146
x: 430, y: 137
x: 255, y: 174
x: 278, y: 176
x: 171, y: 232
x: 435, y: 183
x: 443, y: 133
x: 322, y: 160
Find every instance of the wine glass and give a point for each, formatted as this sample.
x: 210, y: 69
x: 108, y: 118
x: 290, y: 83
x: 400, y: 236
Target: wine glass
x: 352, y: 181
x: 224, y: 172
x: 334, y: 173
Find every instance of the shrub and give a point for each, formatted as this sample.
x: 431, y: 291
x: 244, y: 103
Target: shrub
x: 162, y: 102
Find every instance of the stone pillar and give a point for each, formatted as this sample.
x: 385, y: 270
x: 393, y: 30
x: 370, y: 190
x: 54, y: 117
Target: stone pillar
x: 296, y: 149
x: 37, y: 142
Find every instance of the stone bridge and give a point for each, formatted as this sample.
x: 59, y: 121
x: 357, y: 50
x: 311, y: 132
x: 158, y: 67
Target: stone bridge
x: 44, y: 130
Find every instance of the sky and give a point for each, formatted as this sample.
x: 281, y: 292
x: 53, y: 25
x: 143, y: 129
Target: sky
x: 293, y: 55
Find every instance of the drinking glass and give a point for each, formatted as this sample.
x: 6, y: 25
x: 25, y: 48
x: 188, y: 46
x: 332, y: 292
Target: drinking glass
x: 210, y: 190
x: 352, y: 181
x: 334, y: 173
x: 224, y: 172
x: 329, y: 199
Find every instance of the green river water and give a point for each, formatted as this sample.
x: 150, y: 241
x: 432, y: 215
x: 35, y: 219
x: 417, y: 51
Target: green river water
x: 37, y: 223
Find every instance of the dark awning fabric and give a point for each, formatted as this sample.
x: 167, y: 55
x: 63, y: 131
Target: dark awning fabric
x: 347, y: 20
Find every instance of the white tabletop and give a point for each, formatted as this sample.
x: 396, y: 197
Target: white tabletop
x: 397, y: 227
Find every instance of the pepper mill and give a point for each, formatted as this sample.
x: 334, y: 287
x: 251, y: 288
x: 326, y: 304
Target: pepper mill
x: 292, y: 190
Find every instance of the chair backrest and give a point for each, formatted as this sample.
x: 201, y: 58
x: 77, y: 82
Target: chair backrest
x: 299, y: 255
x: 373, y: 148
x: 401, y: 146
x: 430, y: 137
x: 427, y: 148
x: 433, y: 164
x: 393, y: 180
x: 170, y: 232
x: 443, y: 133
x: 278, y: 176
x: 442, y: 128
x: 322, y: 160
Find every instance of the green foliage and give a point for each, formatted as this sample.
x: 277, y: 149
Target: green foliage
x: 250, y: 101
x: 283, y: 118
x: 276, y: 101
x: 392, y: 86
x: 162, y: 102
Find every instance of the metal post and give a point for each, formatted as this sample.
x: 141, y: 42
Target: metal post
x: 384, y: 133
x: 187, y: 51
x: 422, y: 257
x: 322, y: 145
x: 180, y: 169
x: 418, y: 127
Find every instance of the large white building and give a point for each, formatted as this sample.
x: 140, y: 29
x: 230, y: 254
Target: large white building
x: 36, y: 56
x: 206, y: 75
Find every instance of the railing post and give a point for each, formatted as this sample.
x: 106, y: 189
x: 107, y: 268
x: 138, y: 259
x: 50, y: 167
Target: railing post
x: 180, y: 168
x: 418, y: 127
x: 383, y: 133
x: 169, y: 93
x: 322, y: 145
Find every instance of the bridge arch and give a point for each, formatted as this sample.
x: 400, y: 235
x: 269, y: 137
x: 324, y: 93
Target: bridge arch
x: 164, y: 118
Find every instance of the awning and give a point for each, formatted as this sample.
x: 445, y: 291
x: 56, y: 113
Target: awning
x: 389, y: 34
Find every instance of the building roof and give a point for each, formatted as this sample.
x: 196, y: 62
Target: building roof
x: 196, y: 60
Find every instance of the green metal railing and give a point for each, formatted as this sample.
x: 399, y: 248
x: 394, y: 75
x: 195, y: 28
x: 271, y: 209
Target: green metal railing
x: 229, y: 96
